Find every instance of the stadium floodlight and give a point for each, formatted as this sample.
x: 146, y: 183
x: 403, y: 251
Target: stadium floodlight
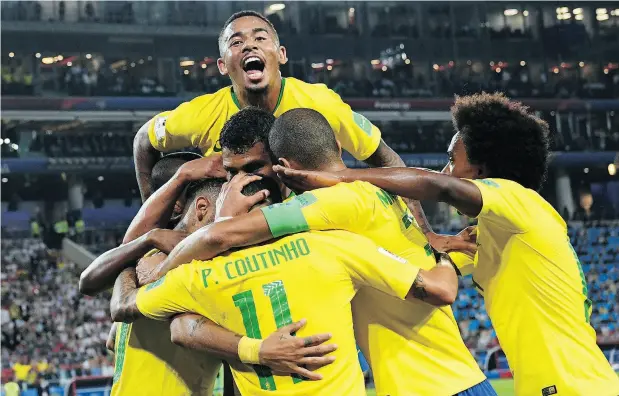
x: 523, y: 63
x: 577, y: 11
x: 7, y: 141
x: 4, y: 180
x: 204, y: 65
x: 586, y: 170
x: 187, y: 63
x: 186, y: 72
x: 276, y: 7
x: 600, y: 11
x: 37, y: 55
x: 69, y: 64
x: 88, y: 56
x: 408, y: 61
x: 581, y: 64
x: 525, y: 13
x: 100, y: 178
x: 510, y: 12
x: 11, y: 54
x: 612, y: 169
x: 14, y: 147
x: 602, y: 17
x: 579, y: 17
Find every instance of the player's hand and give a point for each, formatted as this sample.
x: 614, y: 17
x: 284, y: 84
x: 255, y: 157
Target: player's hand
x: 231, y: 201
x: 286, y: 354
x: 165, y: 240
x: 465, y: 241
x: 301, y: 180
x: 202, y: 168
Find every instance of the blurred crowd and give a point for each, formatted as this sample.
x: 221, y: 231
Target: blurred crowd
x: 50, y: 333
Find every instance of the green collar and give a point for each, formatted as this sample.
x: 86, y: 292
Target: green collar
x: 235, y: 99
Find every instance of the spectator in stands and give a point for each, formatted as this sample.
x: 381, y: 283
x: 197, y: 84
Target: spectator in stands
x: 585, y: 211
x: 11, y: 387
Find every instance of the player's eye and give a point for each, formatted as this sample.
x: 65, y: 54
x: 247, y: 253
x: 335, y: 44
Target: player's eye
x: 260, y: 38
x: 235, y: 43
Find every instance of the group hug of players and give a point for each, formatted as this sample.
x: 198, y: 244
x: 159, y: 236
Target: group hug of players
x: 216, y: 267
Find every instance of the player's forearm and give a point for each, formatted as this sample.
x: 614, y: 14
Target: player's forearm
x: 199, y: 333
x: 438, y: 287
x: 144, y: 157
x: 157, y: 210
x: 386, y: 157
x: 102, y: 272
x: 420, y: 185
x: 111, y: 338
x: 123, y: 306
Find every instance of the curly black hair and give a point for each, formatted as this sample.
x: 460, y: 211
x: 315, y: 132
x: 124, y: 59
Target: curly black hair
x: 204, y: 187
x: 241, y: 14
x: 503, y: 136
x: 245, y: 129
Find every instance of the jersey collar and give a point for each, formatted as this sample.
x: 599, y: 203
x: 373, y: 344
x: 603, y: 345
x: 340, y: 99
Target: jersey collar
x: 235, y: 99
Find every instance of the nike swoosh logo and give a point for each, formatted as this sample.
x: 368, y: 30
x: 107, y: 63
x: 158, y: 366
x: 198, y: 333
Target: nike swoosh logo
x: 217, y: 147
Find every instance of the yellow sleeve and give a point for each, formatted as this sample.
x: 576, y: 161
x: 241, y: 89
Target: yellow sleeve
x: 186, y: 126
x: 341, y: 207
x: 375, y: 267
x: 356, y: 134
x: 167, y: 296
x: 502, y: 204
x: 464, y: 262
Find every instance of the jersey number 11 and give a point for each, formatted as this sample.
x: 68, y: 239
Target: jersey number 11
x: 279, y: 303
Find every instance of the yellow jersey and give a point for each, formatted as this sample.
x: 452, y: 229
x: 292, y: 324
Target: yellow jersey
x: 413, y: 347
x: 21, y: 371
x: 11, y: 389
x: 148, y: 363
x: 199, y: 122
x: 536, y: 295
x: 255, y: 291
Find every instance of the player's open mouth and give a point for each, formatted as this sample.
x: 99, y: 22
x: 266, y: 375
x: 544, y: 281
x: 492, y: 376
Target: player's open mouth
x: 253, y: 67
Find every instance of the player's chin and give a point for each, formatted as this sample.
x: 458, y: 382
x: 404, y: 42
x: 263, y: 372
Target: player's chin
x: 256, y: 87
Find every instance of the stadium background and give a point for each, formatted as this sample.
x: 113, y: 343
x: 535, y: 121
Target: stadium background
x: 79, y: 78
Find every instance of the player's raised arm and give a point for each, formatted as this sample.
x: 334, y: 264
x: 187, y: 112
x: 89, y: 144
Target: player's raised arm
x: 281, y: 351
x: 102, y: 272
x: 414, y: 183
x: 144, y: 158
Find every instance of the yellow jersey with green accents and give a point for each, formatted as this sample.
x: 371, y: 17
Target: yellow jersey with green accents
x: 148, y: 363
x: 198, y: 123
x: 254, y: 291
x: 412, y: 347
x: 536, y: 295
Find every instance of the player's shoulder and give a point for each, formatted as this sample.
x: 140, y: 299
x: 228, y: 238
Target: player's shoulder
x: 315, y: 91
x: 205, y: 102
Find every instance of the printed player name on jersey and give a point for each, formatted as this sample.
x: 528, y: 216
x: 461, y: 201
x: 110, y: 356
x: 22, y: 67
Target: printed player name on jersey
x: 289, y: 251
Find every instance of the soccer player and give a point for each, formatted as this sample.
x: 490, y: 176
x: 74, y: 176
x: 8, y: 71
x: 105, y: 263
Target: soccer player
x: 531, y: 279
x: 251, y: 55
x: 412, y: 346
x: 257, y: 290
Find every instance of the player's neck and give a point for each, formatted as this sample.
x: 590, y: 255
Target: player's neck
x: 337, y: 166
x: 266, y: 100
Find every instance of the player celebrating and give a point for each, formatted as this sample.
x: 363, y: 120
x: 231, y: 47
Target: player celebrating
x: 533, y: 285
x: 257, y: 290
x: 251, y: 56
x: 411, y: 345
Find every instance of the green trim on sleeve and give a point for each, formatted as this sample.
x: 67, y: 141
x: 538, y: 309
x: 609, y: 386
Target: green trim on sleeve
x: 285, y: 218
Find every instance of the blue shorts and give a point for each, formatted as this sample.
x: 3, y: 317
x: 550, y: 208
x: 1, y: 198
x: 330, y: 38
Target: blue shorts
x: 482, y: 389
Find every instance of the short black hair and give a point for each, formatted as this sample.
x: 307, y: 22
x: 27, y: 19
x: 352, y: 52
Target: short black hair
x: 305, y: 136
x: 245, y: 129
x: 504, y: 136
x: 266, y: 183
x: 241, y: 14
x: 204, y: 187
x: 166, y: 167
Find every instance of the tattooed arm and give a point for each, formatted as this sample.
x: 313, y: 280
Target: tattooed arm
x: 123, y: 305
x: 439, y: 286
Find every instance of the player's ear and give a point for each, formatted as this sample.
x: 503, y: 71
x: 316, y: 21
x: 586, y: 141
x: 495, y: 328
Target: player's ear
x: 284, y: 162
x: 223, y: 70
x: 339, y: 147
x: 283, y: 58
x: 202, y: 207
